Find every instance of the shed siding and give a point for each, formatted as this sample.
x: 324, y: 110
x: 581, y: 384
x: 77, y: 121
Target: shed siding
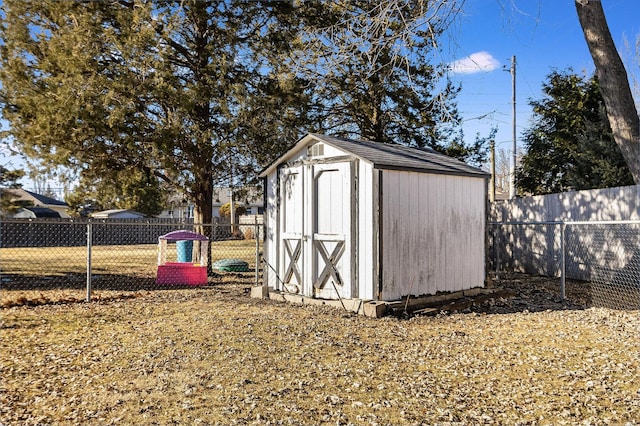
x: 365, y: 253
x: 433, y: 233
x: 271, y: 231
x: 330, y: 151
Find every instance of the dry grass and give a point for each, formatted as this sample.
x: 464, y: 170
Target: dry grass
x: 137, y: 260
x: 34, y: 276
x: 214, y: 356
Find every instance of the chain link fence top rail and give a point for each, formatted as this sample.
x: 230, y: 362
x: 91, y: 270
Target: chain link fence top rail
x: 605, y: 256
x: 44, y: 261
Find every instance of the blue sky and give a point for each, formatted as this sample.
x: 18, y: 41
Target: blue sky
x: 543, y: 35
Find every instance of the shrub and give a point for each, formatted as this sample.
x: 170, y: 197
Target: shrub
x: 225, y: 210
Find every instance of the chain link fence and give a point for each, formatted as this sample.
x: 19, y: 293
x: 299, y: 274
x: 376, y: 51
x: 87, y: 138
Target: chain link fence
x: 601, y: 257
x: 45, y: 261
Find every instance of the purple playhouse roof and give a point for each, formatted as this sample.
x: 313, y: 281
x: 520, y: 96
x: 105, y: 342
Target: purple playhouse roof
x: 182, y: 235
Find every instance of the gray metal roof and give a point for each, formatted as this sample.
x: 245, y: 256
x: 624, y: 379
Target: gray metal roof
x: 400, y: 157
x: 23, y: 194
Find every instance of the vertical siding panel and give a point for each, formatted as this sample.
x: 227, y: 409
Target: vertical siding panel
x: 271, y: 231
x: 413, y: 223
x: 433, y: 229
x: 390, y: 215
x: 464, y: 232
x: 421, y: 231
x: 460, y: 229
x: 447, y: 260
x: 366, y: 210
x: 471, y: 235
x: 436, y: 228
x: 403, y: 265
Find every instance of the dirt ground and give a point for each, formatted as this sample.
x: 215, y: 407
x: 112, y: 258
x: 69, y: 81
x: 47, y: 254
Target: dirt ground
x: 216, y: 356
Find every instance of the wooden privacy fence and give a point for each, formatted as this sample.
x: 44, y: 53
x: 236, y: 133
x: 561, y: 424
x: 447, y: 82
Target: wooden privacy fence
x: 583, y: 235
x: 608, y: 204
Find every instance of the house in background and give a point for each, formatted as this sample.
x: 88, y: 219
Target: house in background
x: 177, y: 208
x: 43, y: 206
x: 250, y: 198
x: 118, y: 214
x: 35, y: 212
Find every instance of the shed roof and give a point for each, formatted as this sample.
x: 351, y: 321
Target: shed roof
x: 105, y: 214
x: 389, y: 156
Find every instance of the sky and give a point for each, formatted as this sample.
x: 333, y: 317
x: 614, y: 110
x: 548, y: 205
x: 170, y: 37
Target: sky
x: 543, y: 35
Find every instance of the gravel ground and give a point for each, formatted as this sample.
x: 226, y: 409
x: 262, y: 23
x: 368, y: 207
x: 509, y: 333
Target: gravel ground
x: 215, y: 356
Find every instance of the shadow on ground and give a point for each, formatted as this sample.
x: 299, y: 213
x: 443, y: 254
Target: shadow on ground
x: 25, y: 290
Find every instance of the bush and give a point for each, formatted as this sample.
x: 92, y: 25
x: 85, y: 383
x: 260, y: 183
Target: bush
x: 225, y: 210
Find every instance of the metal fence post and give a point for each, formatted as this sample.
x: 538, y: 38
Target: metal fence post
x: 562, y: 261
x: 497, y: 237
x: 89, y: 245
x: 256, y: 235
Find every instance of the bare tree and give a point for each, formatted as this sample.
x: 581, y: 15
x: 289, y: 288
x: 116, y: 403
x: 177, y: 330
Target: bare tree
x: 380, y: 73
x: 614, y: 82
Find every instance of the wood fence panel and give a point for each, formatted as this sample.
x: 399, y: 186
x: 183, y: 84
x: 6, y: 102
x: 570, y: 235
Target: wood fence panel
x: 536, y: 248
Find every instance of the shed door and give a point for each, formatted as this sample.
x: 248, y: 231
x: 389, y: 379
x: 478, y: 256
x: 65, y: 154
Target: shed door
x: 330, y: 230
x: 291, y: 265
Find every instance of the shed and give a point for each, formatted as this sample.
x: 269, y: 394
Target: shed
x: 365, y: 220
x: 117, y: 214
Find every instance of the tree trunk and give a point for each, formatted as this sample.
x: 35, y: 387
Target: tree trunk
x: 614, y: 83
x: 203, y: 213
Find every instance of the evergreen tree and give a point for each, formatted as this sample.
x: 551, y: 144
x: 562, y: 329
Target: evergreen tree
x: 9, y: 180
x: 136, y: 88
x: 380, y: 78
x: 198, y: 93
x: 570, y: 146
x: 131, y: 190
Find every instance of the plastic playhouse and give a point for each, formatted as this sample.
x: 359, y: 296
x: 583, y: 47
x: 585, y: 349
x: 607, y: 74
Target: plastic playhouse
x: 185, y: 270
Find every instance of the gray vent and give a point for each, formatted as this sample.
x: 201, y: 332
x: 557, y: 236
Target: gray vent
x: 316, y: 150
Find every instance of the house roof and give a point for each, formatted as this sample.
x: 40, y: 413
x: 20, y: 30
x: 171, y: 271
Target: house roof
x: 37, y: 199
x: 37, y: 212
x: 388, y: 156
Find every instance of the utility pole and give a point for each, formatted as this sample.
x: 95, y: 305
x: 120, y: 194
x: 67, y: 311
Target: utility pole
x: 512, y: 177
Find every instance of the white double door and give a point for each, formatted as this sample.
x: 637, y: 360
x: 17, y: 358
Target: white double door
x: 316, y: 225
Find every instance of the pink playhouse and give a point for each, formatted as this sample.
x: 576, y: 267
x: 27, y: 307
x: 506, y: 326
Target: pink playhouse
x: 186, y: 270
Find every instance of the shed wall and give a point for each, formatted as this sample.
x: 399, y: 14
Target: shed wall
x: 270, y: 254
x: 433, y: 233
x: 366, y: 232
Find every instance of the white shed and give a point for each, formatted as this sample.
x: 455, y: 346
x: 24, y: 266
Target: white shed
x: 118, y: 214
x: 365, y: 220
